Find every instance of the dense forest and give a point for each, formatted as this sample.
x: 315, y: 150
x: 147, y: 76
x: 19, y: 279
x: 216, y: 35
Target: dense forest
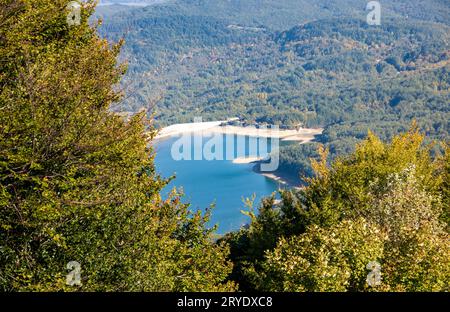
x: 330, y: 70
x: 78, y: 181
x: 384, y: 201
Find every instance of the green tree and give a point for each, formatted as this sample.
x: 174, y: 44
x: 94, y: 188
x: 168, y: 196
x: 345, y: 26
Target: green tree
x: 324, y: 259
x: 398, y: 190
x: 402, y: 232
x: 77, y: 182
x: 416, y: 248
x: 345, y: 188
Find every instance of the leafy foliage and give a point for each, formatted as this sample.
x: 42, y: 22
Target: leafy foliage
x: 384, y: 202
x: 77, y: 182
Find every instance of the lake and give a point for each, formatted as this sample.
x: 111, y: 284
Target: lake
x: 219, y: 182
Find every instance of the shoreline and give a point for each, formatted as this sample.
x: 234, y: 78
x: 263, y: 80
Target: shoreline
x: 182, y: 128
x: 301, y: 135
x: 278, y: 177
x: 275, y: 176
x: 246, y: 160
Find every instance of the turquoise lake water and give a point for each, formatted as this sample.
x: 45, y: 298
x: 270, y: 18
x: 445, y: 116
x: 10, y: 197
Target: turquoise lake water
x: 216, y: 181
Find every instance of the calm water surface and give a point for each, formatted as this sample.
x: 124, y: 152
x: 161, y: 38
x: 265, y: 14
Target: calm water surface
x: 219, y: 182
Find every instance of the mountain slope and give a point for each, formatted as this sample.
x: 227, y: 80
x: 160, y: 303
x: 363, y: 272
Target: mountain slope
x: 217, y: 59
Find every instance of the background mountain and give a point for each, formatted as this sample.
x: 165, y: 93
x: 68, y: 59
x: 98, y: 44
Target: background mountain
x: 289, y: 62
x: 282, y: 14
x: 130, y: 2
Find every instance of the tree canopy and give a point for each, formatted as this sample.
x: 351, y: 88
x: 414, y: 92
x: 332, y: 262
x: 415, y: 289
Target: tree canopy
x: 386, y: 203
x: 77, y: 182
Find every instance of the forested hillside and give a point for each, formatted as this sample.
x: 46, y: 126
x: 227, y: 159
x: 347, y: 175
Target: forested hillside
x: 78, y: 182
x: 284, y: 14
x: 323, y: 67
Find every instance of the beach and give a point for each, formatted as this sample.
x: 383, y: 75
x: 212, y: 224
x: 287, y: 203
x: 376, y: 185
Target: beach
x: 301, y: 135
x: 246, y: 160
x: 192, y: 127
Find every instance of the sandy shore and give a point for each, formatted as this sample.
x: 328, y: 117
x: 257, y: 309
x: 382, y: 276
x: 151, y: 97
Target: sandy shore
x: 279, y: 178
x: 177, y: 129
x: 274, y: 177
x: 302, y: 135
x: 246, y: 160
